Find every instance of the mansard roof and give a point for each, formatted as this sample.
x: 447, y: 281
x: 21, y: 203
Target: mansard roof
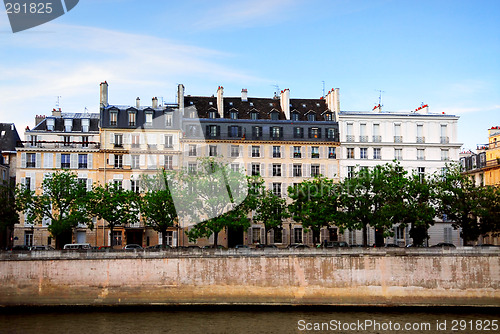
x: 77, y: 122
x: 9, y: 138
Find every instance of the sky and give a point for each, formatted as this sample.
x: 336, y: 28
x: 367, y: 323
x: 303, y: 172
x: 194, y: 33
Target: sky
x: 442, y: 53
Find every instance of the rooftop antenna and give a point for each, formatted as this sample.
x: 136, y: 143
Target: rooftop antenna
x: 277, y: 89
x: 323, y: 87
x: 161, y: 97
x: 380, y: 97
x: 57, y: 102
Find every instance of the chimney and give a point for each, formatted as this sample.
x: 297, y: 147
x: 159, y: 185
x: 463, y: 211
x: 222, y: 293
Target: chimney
x: 336, y: 105
x: 180, y: 98
x: 285, y: 102
x: 104, y: 94
x: 137, y: 103
x: 56, y: 112
x: 220, y: 101
x: 39, y: 119
x: 155, y: 103
x: 244, y: 95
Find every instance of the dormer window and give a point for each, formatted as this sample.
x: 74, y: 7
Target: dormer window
x: 113, y: 117
x: 311, y: 117
x: 212, y: 114
x: 68, y: 124
x: 234, y: 115
x: 295, y: 116
x: 328, y: 117
x: 254, y: 115
x: 168, y: 119
x: 275, y: 116
x: 149, y: 118
x: 131, y: 118
x: 50, y: 123
x: 85, y: 124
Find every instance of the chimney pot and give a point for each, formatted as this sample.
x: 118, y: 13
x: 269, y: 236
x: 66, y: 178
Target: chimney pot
x: 244, y: 95
x: 138, y: 103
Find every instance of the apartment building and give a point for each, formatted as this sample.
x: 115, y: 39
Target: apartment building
x: 421, y: 141
x: 59, y: 141
x: 282, y: 139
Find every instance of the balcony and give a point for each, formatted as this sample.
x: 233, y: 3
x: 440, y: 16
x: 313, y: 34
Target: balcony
x: 398, y: 139
x: 61, y: 144
x: 377, y: 139
x: 363, y: 139
x: 276, y: 155
x: 152, y: 146
x: 30, y: 164
x: 420, y: 140
x: 445, y: 140
x: 420, y: 157
x: 82, y: 165
x: 349, y: 139
x: 315, y: 155
x: 65, y: 165
x: 118, y: 145
x: 297, y: 155
x: 135, y: 145
x: 332, y: 156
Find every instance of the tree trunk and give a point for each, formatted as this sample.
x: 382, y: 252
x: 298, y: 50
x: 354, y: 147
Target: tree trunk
x: 265, y: 236
x: 163, y: 238
x: 216, y: 237
x: 365, y: 235
x: 111, y: 235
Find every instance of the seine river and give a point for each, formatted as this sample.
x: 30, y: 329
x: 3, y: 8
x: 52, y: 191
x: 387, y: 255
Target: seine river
x: 214, y: 319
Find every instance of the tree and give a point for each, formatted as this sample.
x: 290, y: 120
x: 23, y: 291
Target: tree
x: 63, y: 202
x: 315, y: 203
x: 470, y: 207
x: 271, y: 211
x: 157, y: 206
x: 8, y: 213
x: 219, y: 199
x: 118, y: 207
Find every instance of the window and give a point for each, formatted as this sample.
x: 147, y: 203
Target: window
x: 363, y: 138
x: 296, y: 152
x: 68, y: 124
x: 192, y: 168
x: 212, y: 150
x: 445, y: 155
x: 256, y: 235
x: 118, y: 183
x: 113, y: 116
x: 118, y: 161
x: 330, y: 133
x: 420, y: 154
x: 276, y: 151
x: 397, y: 133
x: 255, y: 151
x: 350, y: 136
x: 444, y: 134
x: 168, y: 119
x: 331, y: 153
x: 33, y: 141
x: 298, y: 235
x: 376, y: 154
x: 276, y: 132
x: 134, y: 162
x: 149, y: 119
x: 212, y: 114
x: 315, y: 152
x: 377, y: 138
x: 234, y: 115
x: 298, y: 132
x: 254, y: 115
x: 65, y: 161
x: 311, y: 117
x: 421, y: 173
x: 235, y: 151
x: 135, y: 141
x: 447, y: 235
x: 169, y: 143
x: 276, y: 169
x: 27, y: 183
x: 363, y: 153
x: 234, y: 131
x: 256, y: 131
x: 350, y: 172
x: 169, y: 160
x: 255, y: 169
x: 314, y: 133
x: 328, y: 117
x: 28, y: 238
x: 82, y: 161
x: 118, y: 140
x: 31, y: 160
x: 398, y: 154
x: 131, y: 118
x: 297, y: 170
x: 235, y: 168
x: 116, y: 239
x: 295, y: 116
x: 192, y: 150
x: 135, y: 186
x: 85, y: 141
x: 67, y: 140
x: 277, y: 189
x: 420, y: 133
x: 213, y: 131
x: 315, y: 170
x: 275, y: 116
x: 350, y: 153
x: 278, y: 235
x: 192, y: 113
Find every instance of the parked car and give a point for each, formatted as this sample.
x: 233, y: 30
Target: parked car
x: 41, y: 248
x: 298, y: 246
x: 336, y: 244
x: 213, y: 247
x: 104, y: 247
x: 262, y: 246
x: 158, y: 247
x: 76, y: 246
x: 444, y: 245
x: 132, y: 246
x: 241, y: 246
x: 20, y: 248
x: 391, y: 245
x: 487, y: 246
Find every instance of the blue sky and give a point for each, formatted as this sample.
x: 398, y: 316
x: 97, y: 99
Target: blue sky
x: 442, y: 53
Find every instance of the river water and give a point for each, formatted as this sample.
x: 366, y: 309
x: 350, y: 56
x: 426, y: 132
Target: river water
x: 216, y: 319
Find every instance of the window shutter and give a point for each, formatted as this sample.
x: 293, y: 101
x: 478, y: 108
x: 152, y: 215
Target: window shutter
x: 126, y: 184
x: 23, y: 160
x: 290, y: 170
x: 239, y: 132
x: 270, y: 170
x: 284, y: 236
x: 291, y: 152
x: 307, y: 170
x: 89, y: 184
x: 162, y: 160
x: 198, y: 150
x: 303, y: 152
x: 46, y: 158
x: 111, y: 160
x: 175, y: 161
x: 90, y: 161
x: 261, y: 149
x: 249, y: 169
x: 38, y: 161
x: 229, y: 131
x: 283, y: 170
x: 127, y: 138
x: 271, y: 236
x: 174, y: 239
x: 254, y: 131
x: 240, y: 151
x: 249, y: 151
x: 249, y: 236
x: 322, y: 170
x: 73, y: 161
x: 281, y: 132
x: 263, y: 169
x: 262, y: 235
x: 112, y: 138
x: 33, y: 182
x: 229, y: 150
x: 142, y: 160
x: 58, y: 160
x: 23, y: 181
x: 127, y: 160
x: 319, y: 135
x: 207, y: 131
x: 292, y: 236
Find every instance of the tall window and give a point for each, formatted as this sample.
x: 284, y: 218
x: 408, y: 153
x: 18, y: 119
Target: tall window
x: 398, y: 154
x: 350, y: 153
x: 212, y: 131
x: 169, y: 160
x: 328, y: 117
x: 134, y: 163
x: 296, y: 152
x: 421, y: 173
x: 31, y: 160
x: 362, y: 133
x: 255, y: 151
x: 276, y: 132
x: 445, y: 155
x: 275, y: 116
x: 118, y: 140
x: 444, y: 134
x: 118, y: 161
x: 330, y: 133
x: 192, y: 150
x: 277, y: 189
x: 255, y: 169
x: 315, y: 152
x: 298, y: 235
x: 65, y: 161
x: 332, y: 153
x: 67, y: 140
x: 315, y: 170
x: 350, y: 172
x: 116, y: 238
x: 233, y: 131
x: 135, y: 140
x: 420, y: 154
x: 131, y: 118
x: 397, y: 133
x: 314, y: 133
x: 297, y: 170
x: 256, y: 131
x: 192, y: 168
x: 420, y: 133
x: 82, y: 161
x: 234, y: 115
x: 311, y: 117
x: 113, y: 116
x: 212, y: 150
x: 295, y: 116
x: 350, y: 135
x: 235, y: 151
x: 276, y: 151
x: 276, y: 169
x: 85, y: 141
x: 149, y: 118
x: 377, y: 138
x: 254, y: 115
x: 135, y: 186
x: 376, y: 154
x: 169, y: 141
x: 168, y: 119
x: 298, y: 132
x: 212, y: 114
x: 363, y: 153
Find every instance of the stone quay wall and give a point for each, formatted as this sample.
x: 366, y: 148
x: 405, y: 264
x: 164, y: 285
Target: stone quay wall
x: 364, y: 277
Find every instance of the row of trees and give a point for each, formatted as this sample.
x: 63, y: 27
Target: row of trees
x: 218, y: 198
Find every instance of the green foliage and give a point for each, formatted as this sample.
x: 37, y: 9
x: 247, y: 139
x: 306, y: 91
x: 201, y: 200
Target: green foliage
x: 314, y: 204
x: 8, y: 212
x: 63, y: 201
x: 271, y: 211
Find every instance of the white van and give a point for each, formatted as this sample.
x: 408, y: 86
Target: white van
x: 77, y: 246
